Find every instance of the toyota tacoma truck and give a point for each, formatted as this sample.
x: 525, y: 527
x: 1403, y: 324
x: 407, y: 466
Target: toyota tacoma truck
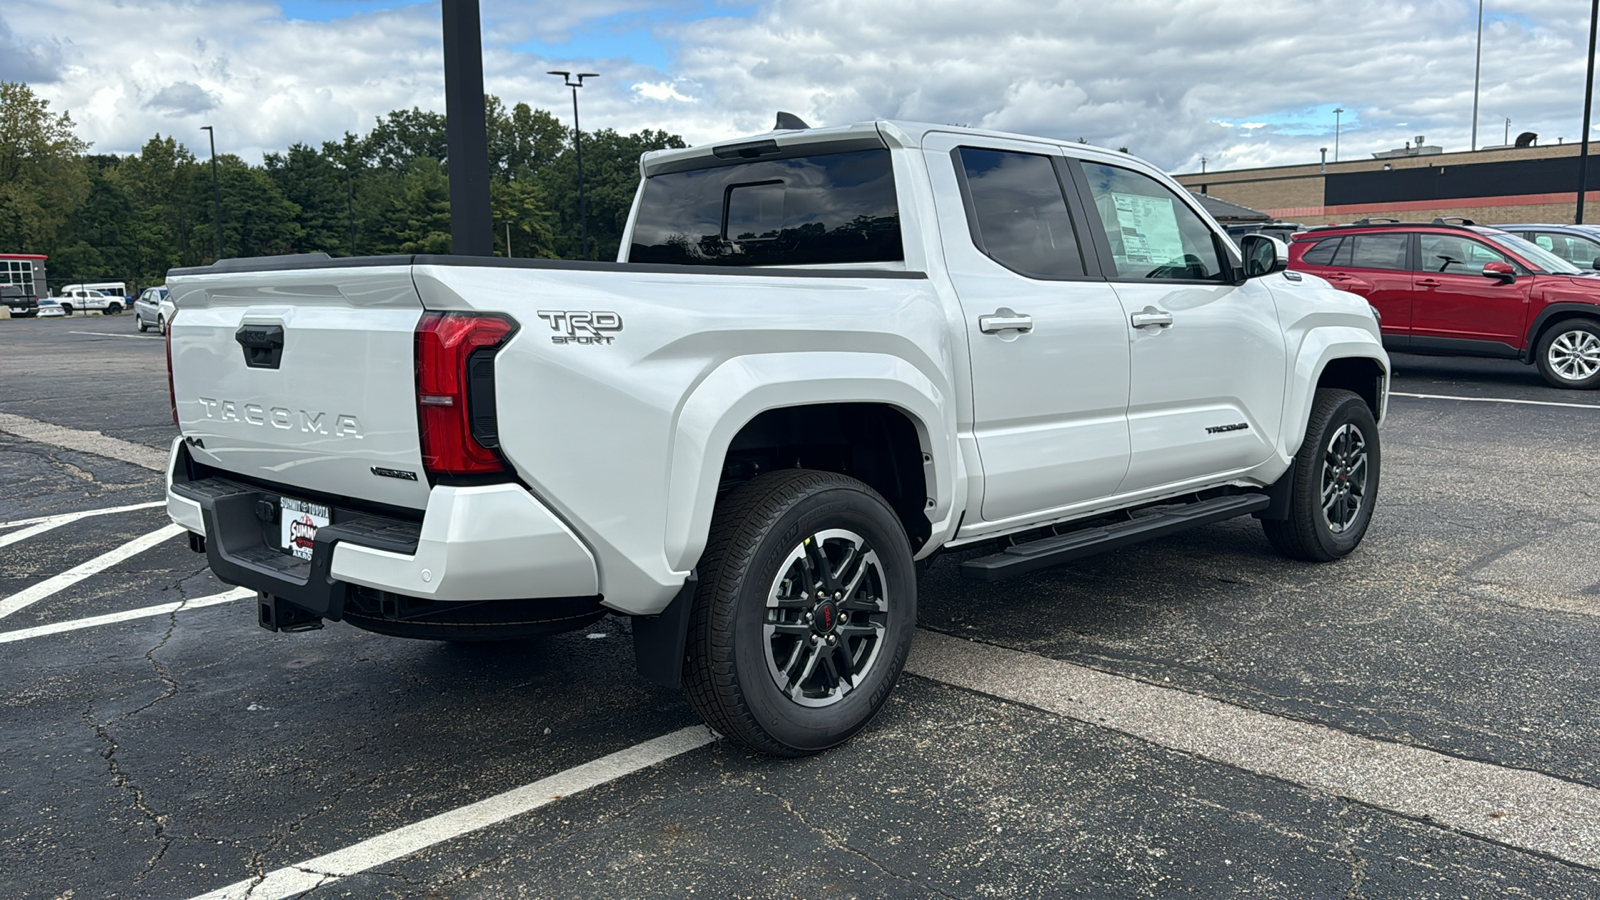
x: 822, y: 356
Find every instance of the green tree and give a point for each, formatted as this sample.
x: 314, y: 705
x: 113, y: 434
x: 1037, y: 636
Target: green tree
x: 418, y: 219
x: 320, y: 188
x: 42, y: 177
x: 610, y: 179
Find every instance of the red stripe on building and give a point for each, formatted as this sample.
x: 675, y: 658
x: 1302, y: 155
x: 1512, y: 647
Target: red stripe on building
x: 1414, y: 205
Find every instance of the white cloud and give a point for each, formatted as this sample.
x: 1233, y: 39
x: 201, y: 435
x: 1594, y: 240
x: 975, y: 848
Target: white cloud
x: 1173, y: 80
x: 660, y: 90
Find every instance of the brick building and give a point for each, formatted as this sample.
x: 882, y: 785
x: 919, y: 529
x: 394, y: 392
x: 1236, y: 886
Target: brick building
x: 1512, y: 184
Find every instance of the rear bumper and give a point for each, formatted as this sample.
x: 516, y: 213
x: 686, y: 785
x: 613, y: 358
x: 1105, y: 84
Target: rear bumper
x: 490, y: 542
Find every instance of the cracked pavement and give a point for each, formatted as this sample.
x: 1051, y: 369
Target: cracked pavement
x: 171, y: 755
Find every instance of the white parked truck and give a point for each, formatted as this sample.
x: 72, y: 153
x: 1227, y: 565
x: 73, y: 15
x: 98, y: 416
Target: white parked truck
x: 822, y: 356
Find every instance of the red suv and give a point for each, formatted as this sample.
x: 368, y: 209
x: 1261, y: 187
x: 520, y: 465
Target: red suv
x: 1465, y: 290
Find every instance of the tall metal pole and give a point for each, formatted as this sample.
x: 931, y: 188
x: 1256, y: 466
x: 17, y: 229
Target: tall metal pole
x: 1588, y: 104
x: 1477, y: 67
x: 350, y: 205
x: 466, y: 131
x: 1338, y: 112
x: 216, y: 190
x: 577, y: 143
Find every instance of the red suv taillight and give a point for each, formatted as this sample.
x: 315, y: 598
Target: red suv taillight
x: 455, y: 392
x: 172, y: 395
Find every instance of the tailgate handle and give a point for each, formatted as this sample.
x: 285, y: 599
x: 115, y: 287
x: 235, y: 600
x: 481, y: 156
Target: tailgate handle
x: 263, y: 345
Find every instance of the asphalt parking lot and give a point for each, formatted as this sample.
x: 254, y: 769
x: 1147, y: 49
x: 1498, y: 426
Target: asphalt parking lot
x: 1194, y: 717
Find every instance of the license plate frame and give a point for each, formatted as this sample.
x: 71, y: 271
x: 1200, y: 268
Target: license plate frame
x: 299, y: 522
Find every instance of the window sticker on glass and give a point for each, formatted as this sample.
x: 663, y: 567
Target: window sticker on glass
x: 1149, y: 228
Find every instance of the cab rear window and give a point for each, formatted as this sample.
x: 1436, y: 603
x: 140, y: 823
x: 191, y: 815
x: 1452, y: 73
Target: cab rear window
x: 805, y: 210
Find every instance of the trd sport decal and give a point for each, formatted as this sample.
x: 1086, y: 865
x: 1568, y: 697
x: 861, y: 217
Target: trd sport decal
x: 581, y: 326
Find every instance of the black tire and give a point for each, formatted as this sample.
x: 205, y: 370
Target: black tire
x: 1328, y: 461
x: 1568, y: 354
x: 766, y: 538
x: 161, y: 325
x: 114, y: 309
x: 66, y: 309
x: 142, y: 326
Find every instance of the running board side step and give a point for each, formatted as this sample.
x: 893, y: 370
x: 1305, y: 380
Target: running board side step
x: 1020, y: 559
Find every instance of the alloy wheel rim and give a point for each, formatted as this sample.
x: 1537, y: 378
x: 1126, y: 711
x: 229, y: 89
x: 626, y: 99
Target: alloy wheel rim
x: 1344, y: 478
x: 827, y: 615
x: 1575, y: 355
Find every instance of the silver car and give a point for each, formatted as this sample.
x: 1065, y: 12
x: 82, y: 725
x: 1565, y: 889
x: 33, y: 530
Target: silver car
x: 153, y: 309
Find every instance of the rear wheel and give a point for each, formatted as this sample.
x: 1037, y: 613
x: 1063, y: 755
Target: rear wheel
x: 1335, y: 481
x: 66, y: 309
x: 161, y: 324
x: 804, y: 612
x: 1569, y: 354
x: 113, y: 309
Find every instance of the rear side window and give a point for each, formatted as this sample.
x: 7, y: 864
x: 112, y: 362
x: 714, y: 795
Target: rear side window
x: 1322, y: 253
x: 1019, y: 214
x: 1152, y: 233
x: 807, y: 210
x: 1378, y: 251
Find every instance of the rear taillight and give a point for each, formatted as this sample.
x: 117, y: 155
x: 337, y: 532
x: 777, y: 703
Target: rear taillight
x: 455, y: 392
x: 172, y: 395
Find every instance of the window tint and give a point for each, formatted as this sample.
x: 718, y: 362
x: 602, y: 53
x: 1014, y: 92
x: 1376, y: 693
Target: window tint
x: 1581, y: 252
x: 834, y: 208
x: 1454, y: 255
x: 1152, y: 233
x: 1019, y: 214
x: 1322, y: 253
x: 1378, y: 251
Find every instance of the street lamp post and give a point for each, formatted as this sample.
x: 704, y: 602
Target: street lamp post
x: 1588, y: 104
x: 577, y: 143
x: 1338, y: 111
x: 216, y: 190
x: 1477, y: 67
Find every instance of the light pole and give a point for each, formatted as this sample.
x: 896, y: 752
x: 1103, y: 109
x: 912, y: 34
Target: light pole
x: 1588, y: 103
x: 1507, y: 139
x: 1324, y: 158
x: 216, y: 191
x: 1477, y: 67
x: 577, y: 143
x: 1202, y: 165
x: 1338, y: 111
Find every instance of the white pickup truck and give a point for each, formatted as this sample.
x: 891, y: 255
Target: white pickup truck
x: 824, y: 355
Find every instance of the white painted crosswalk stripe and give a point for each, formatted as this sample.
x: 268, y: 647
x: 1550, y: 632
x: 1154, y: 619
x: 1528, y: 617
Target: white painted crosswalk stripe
x: 143, y: 612
x: 294, y: 880
x: 42, y: 524
x: 30, y: 595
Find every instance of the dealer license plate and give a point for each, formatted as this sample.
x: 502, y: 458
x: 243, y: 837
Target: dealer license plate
x: 300, y: 521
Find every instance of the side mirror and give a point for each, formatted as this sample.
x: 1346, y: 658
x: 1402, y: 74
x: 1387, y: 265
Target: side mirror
x: 1500, y: 270
x: 1263, y: 255
x: 1595, y: 264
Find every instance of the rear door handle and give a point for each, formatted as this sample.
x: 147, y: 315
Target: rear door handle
x: 1005, y: 320
x: 1152, y: 316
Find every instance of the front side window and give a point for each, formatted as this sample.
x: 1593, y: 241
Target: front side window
x: 1581, y: 252
x: 1019, y: 214
x: 1152, y: 233
x: 806, y: 210
x: 1449, y: 254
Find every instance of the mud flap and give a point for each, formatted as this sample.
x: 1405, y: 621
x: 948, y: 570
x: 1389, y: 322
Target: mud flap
x: 659, y: 640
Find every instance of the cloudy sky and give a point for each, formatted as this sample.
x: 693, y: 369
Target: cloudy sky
x: 1240, y: 82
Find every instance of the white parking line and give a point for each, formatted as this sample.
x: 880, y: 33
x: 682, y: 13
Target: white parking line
x: 1516, y: 807
x: 293, y: 880
x: 85, y: 441
x: 46, y: 523
x: 137, y: 337
x: 1496, y: 400
x: 31, y: 595
x: 23, y: 634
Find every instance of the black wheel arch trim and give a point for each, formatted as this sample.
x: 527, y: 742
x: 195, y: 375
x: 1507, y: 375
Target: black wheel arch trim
x: 1553, y: 311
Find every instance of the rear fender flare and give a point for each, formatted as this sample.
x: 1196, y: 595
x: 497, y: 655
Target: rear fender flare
x: 744, y: 387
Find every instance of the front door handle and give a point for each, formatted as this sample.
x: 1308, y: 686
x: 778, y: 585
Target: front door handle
x: 1428, y: 282
x: 1005, y: 320
x: 1152, y: 316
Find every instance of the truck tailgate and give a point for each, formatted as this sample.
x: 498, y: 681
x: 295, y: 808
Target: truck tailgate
x: 303, y: 378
